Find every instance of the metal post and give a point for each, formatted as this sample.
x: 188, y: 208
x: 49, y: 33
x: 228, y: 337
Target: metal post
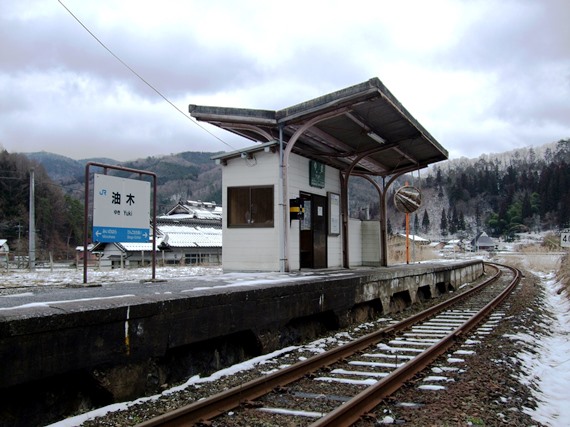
x: 282, y: 209
x: 383, y: 226
x: 407, y: 238
x: 407, y: 233
x: 85, y: 223
x: 345, y: 219
x: 32, y: 225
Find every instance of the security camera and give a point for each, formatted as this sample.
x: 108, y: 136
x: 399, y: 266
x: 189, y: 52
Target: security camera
x: 243, y: 155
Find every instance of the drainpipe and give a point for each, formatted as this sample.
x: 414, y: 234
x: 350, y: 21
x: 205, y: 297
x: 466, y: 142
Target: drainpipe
x: 383, y: 225
x: 283, y: 259
x: 345, y: 219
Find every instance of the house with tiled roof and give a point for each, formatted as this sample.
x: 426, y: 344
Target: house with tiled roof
x: 4, y: 251
x: 188, y: 234
x: 195, y: 210
x: 482, y: 242
x: 190, y: 244
x: 4, y: 248
x: 124, y: 254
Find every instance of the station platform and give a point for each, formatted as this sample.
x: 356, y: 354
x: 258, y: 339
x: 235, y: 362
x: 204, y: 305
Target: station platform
x: 61, y: 331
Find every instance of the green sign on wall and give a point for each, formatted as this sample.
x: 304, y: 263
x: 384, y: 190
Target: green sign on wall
x: 316, y: 174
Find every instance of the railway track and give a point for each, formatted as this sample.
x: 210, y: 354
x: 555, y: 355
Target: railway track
x: 338, y: 387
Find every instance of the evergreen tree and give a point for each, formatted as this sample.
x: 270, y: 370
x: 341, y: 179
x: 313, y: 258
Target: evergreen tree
x: 453, y: 221
x: 563, y: 150
x: 526, y: 208
x: 425, y: 222
x: 461, y: 225
x: 478, y: 216
x: 416, y: 223
x: 443, y: 223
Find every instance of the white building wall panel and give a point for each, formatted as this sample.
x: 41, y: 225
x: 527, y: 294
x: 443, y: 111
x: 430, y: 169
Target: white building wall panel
x: 294, y: 246
x: 371, y: 243
x: 251, y: 250
x: 355, y: 242
x: 259, y: 248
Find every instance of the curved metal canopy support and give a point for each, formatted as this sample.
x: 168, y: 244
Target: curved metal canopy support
x: 285, y: 175
x: 261, y: 132
x: 383, y: 217
x: 382, y: 201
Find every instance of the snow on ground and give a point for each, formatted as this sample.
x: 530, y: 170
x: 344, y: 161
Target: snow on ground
x: 546, y: 358
x: 62, y: 275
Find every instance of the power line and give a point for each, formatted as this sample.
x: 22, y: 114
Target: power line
x: 141, y: 78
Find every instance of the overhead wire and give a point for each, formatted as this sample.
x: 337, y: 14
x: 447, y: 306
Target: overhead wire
x: 140, y: 77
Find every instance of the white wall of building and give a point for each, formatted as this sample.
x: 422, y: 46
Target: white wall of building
x: 251, y: 249
x: 258, y: 249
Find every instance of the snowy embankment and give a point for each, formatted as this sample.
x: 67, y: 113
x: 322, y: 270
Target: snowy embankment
x: 546, y: 358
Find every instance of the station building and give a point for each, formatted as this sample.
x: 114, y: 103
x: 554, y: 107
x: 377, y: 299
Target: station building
x: 285, y: 198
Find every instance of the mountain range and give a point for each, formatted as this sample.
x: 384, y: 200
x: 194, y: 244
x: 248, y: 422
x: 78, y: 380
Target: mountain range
x: 182, y: 176
x: 522, y: 189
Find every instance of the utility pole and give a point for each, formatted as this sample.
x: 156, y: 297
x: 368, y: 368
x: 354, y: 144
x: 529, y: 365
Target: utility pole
x: 32, y: 225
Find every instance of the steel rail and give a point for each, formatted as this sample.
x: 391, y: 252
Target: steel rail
x: 222, y: 402
x: 364, y: 402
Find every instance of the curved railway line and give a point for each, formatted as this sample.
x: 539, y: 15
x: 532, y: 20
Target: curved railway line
x: 369, y: 369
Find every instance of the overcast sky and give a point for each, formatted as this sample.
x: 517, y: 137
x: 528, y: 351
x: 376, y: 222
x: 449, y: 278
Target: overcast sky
x: 480, y: 76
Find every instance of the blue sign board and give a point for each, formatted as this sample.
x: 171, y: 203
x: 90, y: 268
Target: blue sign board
x: 119, y: 234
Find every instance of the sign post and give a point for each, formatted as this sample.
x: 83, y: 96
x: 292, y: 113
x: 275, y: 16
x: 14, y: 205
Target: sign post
x: 407, y: 199
x: 120, y: 210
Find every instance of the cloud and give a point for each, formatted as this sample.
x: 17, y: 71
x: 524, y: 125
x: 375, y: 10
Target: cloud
x: 480, y: 75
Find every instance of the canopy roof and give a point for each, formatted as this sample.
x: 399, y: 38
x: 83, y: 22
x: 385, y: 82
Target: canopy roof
x: 363, y: 123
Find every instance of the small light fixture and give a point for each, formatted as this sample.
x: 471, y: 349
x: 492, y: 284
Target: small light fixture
x: 376, y: 137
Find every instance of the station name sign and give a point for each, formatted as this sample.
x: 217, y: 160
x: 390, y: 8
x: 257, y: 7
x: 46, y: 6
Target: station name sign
x: 316, y: 174
x: 121, y: 209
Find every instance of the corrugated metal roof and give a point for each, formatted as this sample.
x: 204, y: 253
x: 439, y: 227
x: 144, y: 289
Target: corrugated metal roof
x: 363, y: 123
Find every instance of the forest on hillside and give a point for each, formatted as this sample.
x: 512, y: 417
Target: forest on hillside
x: 501, y: 195
x: 59, y: 216
x: 524, y: 191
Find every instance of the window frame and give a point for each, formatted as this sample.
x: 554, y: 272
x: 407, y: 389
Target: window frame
x: 233, y: 211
